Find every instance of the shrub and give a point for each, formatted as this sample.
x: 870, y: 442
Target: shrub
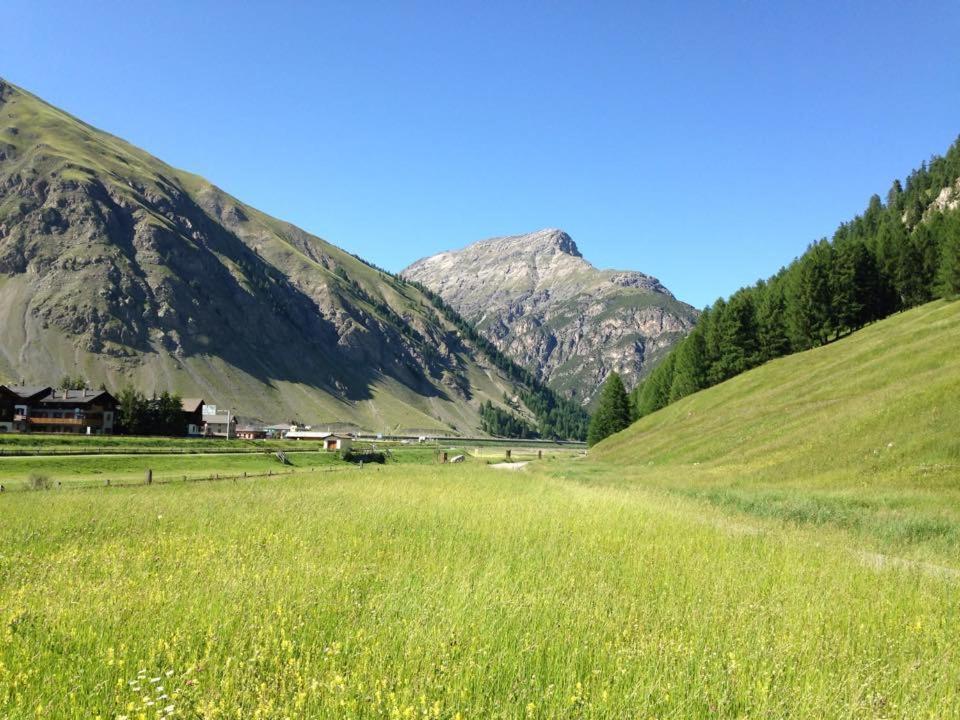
x: 38, y: 482
x: 364, y: 457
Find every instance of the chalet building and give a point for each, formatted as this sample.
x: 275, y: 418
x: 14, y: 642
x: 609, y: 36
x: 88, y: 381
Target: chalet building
x: 330, y: 441
x: 191, y: 410
x: 35, y: 409
x: 279, y: 431
x: 251, y: 432
x: 15, y: 404
x: 220, y: 425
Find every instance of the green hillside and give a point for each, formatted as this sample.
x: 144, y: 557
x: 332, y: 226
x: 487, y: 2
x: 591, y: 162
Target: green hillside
x: 860, y: 434
x: 124, y: 270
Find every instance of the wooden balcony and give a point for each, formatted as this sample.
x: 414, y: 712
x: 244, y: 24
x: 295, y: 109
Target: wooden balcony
x: 65, y: 421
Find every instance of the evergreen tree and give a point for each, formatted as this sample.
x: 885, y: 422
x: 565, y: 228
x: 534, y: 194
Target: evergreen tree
x: 737, y: 332
x: 927, y: 238
x: 133, y: 412
x: 655, y: 393
x: 909, y: 279
x: 613, y: 411
x: 69, y: 382
x: 811, y: 304
x: 772, y: 334
x: 949, y: 273
x: 854, y: 285
x: 690, y: 371
x: 712, y: 340
x: 167, y: 415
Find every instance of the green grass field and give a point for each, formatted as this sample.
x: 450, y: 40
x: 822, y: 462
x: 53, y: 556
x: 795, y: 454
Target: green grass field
x: 861, y: 435
x: 759, y: 550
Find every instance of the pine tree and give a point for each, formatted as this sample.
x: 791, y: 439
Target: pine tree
x: 854, y: 285
x: 711, y: 336
x: 655, y: 393
x: 909, y: 277
x: 811, y: 306
x: 690, y: 372
x: 737, y: 330
x: 613, y: 411
x: 772, y: 334
x: 949, y: 274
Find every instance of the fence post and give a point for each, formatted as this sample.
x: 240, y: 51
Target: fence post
x: 508, y: 454
x: 539, y: 454
x: 149, y: 476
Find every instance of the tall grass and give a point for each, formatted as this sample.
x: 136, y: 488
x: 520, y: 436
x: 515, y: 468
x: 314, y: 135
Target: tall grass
x: 859, y: 435
x: 449, y: 592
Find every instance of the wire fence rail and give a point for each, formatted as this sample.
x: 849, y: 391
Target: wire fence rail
x: 167, y: 478
x: 64, y: 452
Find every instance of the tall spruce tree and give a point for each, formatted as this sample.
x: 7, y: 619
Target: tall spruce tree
x: 690, y: 372
x: 613, y: 411
x: 949, y: 275
x: 655, y: 391
x: 738, y: 336
x: 812, y: 300
x: 772, y: 334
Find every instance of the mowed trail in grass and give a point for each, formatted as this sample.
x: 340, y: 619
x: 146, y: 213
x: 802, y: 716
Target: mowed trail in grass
x: 861, y: 435
x: 450, y: 592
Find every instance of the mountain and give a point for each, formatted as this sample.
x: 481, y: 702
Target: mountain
x: 117, y: 267
x: 540, y: 302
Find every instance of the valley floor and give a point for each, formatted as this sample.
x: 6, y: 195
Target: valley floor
x: 571, y: 588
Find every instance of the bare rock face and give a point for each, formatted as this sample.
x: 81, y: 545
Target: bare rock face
x: 541, y: 302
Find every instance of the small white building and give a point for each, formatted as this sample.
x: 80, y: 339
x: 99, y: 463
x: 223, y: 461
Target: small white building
x: 332, y: 443
x: 303, y: 434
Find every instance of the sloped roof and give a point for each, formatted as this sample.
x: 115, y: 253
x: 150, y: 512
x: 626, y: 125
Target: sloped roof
x: 27, y: 391
x: 191, y: 405
x: 83, y: 397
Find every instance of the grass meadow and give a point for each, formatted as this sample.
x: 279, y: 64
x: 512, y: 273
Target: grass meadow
x: 444, y: 592
x: 784, y: 545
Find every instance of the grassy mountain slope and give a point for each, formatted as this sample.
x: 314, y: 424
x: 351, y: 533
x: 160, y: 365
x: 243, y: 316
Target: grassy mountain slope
x: 859, y: 434
x: 116, y: 266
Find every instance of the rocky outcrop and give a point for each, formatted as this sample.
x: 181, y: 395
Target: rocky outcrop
x: 541, y: 302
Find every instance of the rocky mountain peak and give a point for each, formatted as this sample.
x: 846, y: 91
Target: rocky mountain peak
x: 551, y: 240
x: 540, y: 301
x: 542, y: 243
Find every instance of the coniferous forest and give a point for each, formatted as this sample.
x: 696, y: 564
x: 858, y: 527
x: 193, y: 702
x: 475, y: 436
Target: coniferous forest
x: 901, y: 252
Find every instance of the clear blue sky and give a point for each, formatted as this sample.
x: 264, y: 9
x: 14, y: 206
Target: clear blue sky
x: 705, y: 143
